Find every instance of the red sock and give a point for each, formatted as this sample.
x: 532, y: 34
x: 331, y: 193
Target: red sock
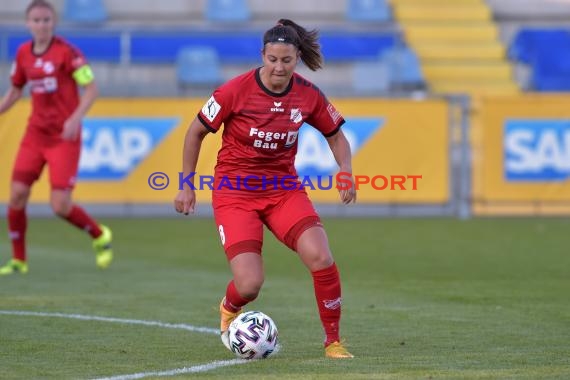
x: 327, y: 291
x: 233, y: 301
x: 80, y: 219
x: 17, y: 225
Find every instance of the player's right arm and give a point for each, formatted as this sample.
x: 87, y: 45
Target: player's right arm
x: 18, y: 80
x: 10, y: 97
x: 186, y: 198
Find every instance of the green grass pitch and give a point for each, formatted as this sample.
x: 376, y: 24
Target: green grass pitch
x: 423, y: 299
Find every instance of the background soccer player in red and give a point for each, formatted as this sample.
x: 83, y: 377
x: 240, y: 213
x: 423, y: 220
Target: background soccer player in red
x: 262, y: 111
x: 53, y: 69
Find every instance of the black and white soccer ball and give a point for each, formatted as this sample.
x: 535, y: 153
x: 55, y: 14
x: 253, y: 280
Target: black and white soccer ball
x: 253, y: 335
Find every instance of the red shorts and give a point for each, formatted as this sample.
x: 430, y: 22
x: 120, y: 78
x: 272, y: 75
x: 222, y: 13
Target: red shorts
x: 61, y: 156
x: 240, y: 220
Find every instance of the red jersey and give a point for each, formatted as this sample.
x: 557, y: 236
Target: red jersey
x: 260, y: 129
x: 53, y: 89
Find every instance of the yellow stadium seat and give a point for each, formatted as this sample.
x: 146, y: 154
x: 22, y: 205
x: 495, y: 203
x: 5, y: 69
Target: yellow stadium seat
x: 419, y: 32
x: 435, y: 2
x: 458, y: 44
x: 483, y: 71
x: 478, y: 88
x: 460, y: 13
x: 459, y: 52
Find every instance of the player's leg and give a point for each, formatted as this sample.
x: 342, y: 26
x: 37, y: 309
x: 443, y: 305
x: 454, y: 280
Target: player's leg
x: 27, y: 169
x: 241, y: 234
x: 296, y: 223
x: 17, y: 225
x: 247, y: 270
x: 63, y: 206
x: 63, y: 161
x: 313, y: 249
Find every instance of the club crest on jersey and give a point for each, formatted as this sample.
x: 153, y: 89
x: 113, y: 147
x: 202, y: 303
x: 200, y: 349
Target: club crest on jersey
x: 48, y: 67
x: 277, y: 107
x: 296, y: 115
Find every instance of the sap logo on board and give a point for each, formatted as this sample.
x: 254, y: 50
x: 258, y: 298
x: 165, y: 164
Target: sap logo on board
x: 536, y: 150
x: 314, y: 157
x: 113, y: 147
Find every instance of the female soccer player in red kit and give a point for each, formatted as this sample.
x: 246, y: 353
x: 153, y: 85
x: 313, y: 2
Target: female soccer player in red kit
x: 262, y: 111
x: 54, y: 69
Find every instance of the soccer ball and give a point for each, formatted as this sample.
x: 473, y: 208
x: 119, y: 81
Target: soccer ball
x: 253, y: 335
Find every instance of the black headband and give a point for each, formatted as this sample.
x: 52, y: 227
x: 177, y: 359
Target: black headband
x: 279, y: 34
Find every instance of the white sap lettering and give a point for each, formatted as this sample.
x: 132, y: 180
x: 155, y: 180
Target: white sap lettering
x: 314, y: 152
x: 551, y: 152
x: 135, y: 144
x: 517, y: 143
x: 86, y: 160
x: 567, y: 149
x: 103, y: 150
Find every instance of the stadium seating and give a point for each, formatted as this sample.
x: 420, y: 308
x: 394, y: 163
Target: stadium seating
x: 547, y: 52
x: 530, y: 42
x: 245, y: 46
x: 198, y: 66
x: 371, y: 78
x: 404, y: 68
x: 368, y: 11
x: 458, y: 45
x: 98, y: 46
x: 138, y: 36
x: 236, y: 47
x: 85, y: 11
x: 227, y: 10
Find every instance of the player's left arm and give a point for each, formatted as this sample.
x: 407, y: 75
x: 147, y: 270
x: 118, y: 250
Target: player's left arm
x: 341, y: 151
x: 84, y: 77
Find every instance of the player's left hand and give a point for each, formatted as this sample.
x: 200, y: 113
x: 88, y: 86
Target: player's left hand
x: 71, y: 129
x: 185, y: 201
x: 348, y: 192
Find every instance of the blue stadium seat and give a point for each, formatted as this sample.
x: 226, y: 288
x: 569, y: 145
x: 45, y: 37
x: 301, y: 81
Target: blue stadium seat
x: 198, y: 66
x: 227, y: 10
x: 404, y: 68
x: 368, y: 10
x: 370, y: 77
x: 551, y: 70
x: 85, y: 11
x: 547, y: 52
x: 528, y: 42
x: 242, y: 45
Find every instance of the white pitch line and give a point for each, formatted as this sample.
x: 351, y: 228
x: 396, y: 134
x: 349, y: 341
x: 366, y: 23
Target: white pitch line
x: 178, y: 371
x: 181, y: 326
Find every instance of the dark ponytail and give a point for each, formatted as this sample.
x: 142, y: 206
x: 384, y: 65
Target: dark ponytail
x: 307, y: 41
